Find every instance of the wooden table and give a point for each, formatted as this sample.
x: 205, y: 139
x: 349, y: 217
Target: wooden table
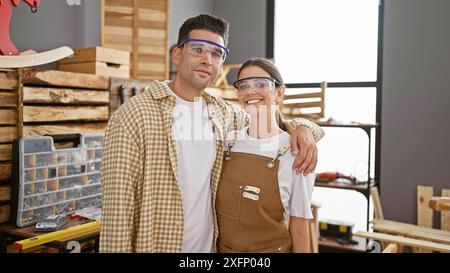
x: 11, y: 234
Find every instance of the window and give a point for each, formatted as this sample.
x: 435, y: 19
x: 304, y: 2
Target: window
x: 337, y: 41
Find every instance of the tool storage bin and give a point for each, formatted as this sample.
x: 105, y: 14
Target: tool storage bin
x: 50, y: 181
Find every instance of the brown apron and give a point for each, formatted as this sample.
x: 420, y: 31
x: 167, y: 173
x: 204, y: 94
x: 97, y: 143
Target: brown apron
x: 249, y: 208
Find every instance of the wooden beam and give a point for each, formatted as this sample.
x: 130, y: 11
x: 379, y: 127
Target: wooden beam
x: 377, y: 203
x: 65, y: 79
x: 4, y: 213
x: 440, y: 203
x: 8, y: 117
x: 409, y: 230
x: 5, y: 152
x: 392, y: 248
x: 65, y: 113
x: 8, y: 99
x: 64, y: 96
x: 8, y: 79
x: 5, y: 193
x: 405, y: 241
x: 8, y: 134
x: 445, y: 215
x: 40, y: 130
x: 5, y: 170
x: 424, y: 213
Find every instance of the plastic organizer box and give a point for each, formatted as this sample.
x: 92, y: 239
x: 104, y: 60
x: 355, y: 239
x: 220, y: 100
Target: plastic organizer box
x: 51, y: 181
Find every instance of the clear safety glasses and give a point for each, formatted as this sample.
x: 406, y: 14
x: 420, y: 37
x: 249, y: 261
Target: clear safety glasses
x: 258, y: 84
x: 198, y: 48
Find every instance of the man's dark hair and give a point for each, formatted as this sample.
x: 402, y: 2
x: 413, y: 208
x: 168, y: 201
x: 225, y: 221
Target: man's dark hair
x: 204, y: 22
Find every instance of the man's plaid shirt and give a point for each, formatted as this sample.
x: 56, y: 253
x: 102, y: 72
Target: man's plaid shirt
x: 142, y: 206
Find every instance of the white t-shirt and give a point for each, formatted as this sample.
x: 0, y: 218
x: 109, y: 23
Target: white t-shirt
x: 295, y: 190
x: 196, y: 152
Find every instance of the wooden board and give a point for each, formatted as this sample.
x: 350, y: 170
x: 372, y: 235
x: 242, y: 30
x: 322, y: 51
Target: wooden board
x: 8, y: 99
x: 129, y: 25
x: 405, y: 241
x: 98, y: 68
x: 5, y: 170
x: 8, y: 134
x: 64, y: 96
x: 8, y: 79
x: 445, y: 215
x: 59, y: 129
x: 8, y: 116
x: 424, y: 213
x: 65, y: 113
x: 5, y: 193
x: 412, y: 231
x: 65, y: 79
x: 377, y: 203
x: 99, y: 54
x: 5, y: 152
x: 4, y: 213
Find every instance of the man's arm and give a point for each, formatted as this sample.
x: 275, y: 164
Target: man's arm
x: 119, y: 172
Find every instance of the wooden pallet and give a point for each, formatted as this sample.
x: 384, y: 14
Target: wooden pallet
x: 140, y: 27
x: 49, y: 102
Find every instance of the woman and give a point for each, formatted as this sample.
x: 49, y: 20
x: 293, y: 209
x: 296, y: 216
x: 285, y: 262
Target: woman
x: 262, y: 204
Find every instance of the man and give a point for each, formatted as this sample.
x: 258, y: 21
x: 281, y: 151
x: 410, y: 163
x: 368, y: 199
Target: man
x: 159, y: 182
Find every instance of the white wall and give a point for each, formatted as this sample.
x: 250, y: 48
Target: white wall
x: 180, y: 10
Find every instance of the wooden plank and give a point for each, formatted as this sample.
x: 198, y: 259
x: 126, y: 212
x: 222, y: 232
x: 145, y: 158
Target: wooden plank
x: 377, y: 203
x: 4, y: 213
x: 424, y: 213
x: 98, y: 68
x: 404, y: 241
x: 8, y: 117
x: 412, y: 231
x: 5, y: 152
x: 135, y: 41
x: 8, y: 134
x: 65, y: 113
x: 8, y: 99
x: 303, y: 96
x: 5, y: 170
x: 87, y: 128
x: 301, y: 105
x: 64, y: 96
x: 445, y: 215
x: 8, y: 79
x: 391, y: 248
x: 5, y: 193
x: 440, y: 203
x: 65, y: 79
x: 98, y: 54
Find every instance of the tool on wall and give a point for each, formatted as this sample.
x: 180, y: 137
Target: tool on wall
x: 10, y: 57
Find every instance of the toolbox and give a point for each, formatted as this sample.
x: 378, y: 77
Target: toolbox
x: 49, y: 181
x: 336, y: 228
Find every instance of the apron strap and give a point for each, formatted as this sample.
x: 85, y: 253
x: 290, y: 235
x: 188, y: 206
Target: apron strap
x: 230, y: 145
x: 280, y: 153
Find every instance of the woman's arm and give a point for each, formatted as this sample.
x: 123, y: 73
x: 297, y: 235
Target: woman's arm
x: 299, y: 229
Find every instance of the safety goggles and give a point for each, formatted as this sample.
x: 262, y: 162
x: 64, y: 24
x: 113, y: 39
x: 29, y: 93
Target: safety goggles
x: 198, y: 48
x: 258, y: 84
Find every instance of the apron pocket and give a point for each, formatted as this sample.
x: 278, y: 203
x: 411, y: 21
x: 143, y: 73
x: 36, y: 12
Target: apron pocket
x: 228, y: 201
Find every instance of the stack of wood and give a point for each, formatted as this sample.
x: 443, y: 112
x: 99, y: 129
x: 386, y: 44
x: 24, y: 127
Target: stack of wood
x: 46, y: 103
x: 99, y: 61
